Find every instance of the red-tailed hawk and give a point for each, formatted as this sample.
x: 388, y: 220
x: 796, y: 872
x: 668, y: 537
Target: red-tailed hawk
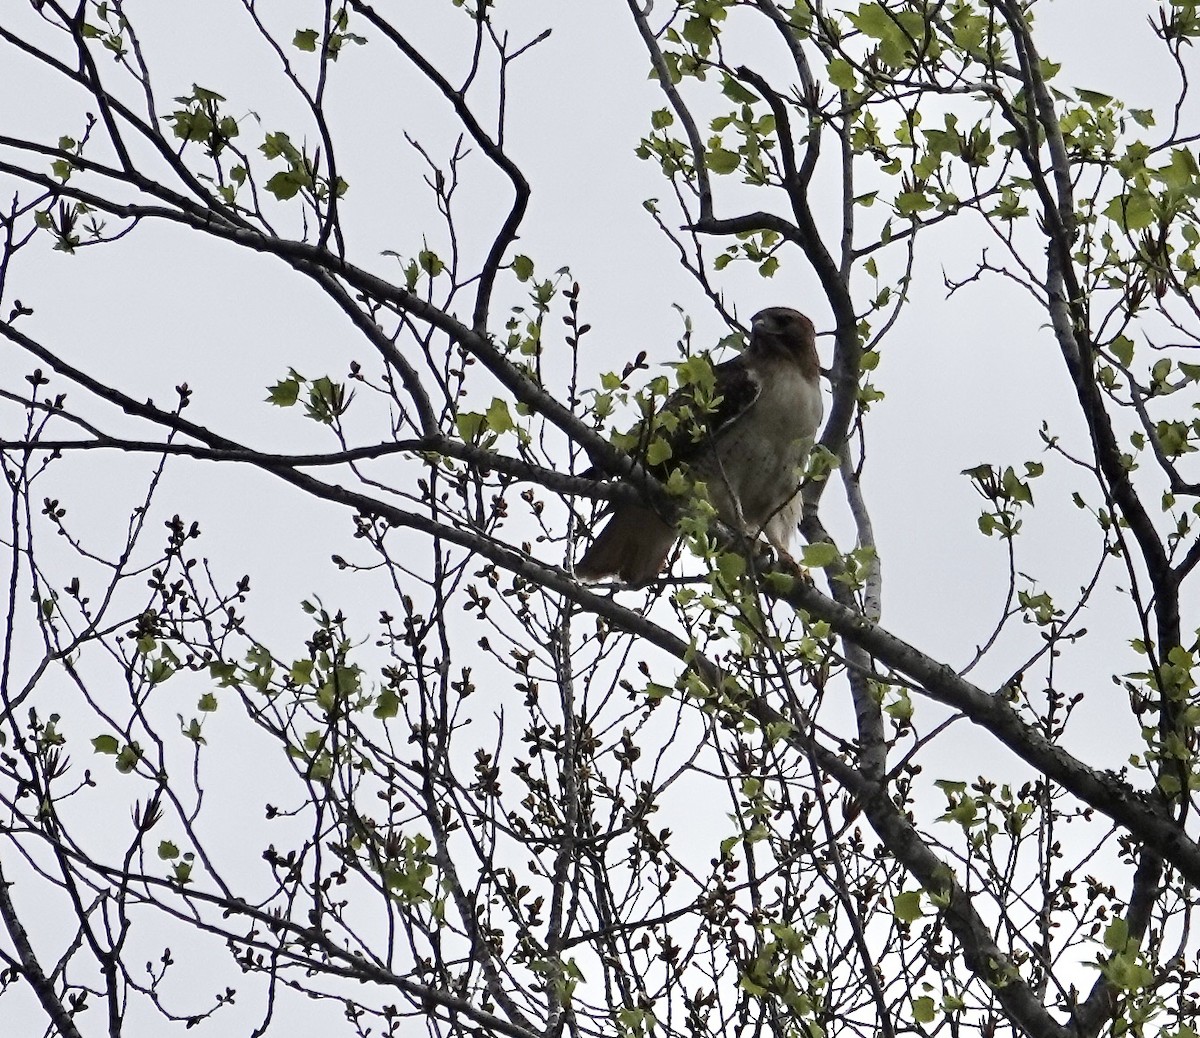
x: 749, y: 446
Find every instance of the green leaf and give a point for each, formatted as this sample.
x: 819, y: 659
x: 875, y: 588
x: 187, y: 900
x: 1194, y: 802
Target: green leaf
x: 900, y: 709
x: 658, y: 451
x: 167, y: 850
x: 287, y: 184
x: 387, y: 704
x: 819, y: 555
x: 874, y: 20
x: 841, y: 74
x: 677, y: 483
x: 697, y: 370
x: 204, y: 96
x: 1173, y: 437
x: 1116, y: 935
x: 1122, y: 348
x: 895, y: 31
x: 191, y: 126
x: 909, y: 203
x: 661, y: 118
x: 285, y: 392
x: 907, y: 906
x: 964, y: 812
x: 207, y: 703
x: 430, y: 262
x: 498, y: 418
x: 731, y: 567
x: 523, y: 267
x: 128, y: 758
x: 1093, y: 97
x: 1182, y: 171
x: 469, y: 424
x: 1133, y: 211
x: 923, y: 1009
x: 159, y: 671
x: 699, y: 32
x: 305, y: 39
x: 781, y: 583
x: 106, y: 744
x: 734, y: 90
x: 721, y: 161
x: 1014, y: 488
x: 279, y: 145
x: 655, y: 692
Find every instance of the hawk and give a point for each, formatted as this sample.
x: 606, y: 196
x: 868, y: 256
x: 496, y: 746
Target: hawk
x: 749, y: 445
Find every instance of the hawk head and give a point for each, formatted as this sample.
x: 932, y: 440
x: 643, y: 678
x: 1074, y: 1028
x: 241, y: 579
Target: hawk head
x: 785, y: 333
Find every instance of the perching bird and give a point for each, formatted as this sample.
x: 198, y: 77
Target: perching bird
x: 750, y: 448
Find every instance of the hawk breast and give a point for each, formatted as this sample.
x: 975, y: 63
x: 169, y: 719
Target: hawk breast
x: 754, y: 471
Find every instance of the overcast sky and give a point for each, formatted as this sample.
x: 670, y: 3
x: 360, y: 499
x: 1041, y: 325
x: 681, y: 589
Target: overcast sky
x: 968, y: 380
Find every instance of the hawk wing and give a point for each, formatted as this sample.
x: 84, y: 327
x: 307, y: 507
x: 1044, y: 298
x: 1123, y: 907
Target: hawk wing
x: 692, y: 419
x: 636, y: 541
x: 745, y: 434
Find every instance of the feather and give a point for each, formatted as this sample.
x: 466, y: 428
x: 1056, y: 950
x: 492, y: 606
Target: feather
x: 633, y: 546
x: 748, y: 442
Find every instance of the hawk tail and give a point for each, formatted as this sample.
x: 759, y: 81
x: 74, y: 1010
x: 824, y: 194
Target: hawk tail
x: 633, y: 546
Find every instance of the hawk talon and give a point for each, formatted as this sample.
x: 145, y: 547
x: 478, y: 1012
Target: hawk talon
x: 781, y: 559
x: 784, y: 559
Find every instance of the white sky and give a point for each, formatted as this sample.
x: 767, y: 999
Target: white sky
x: 968, y: 381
